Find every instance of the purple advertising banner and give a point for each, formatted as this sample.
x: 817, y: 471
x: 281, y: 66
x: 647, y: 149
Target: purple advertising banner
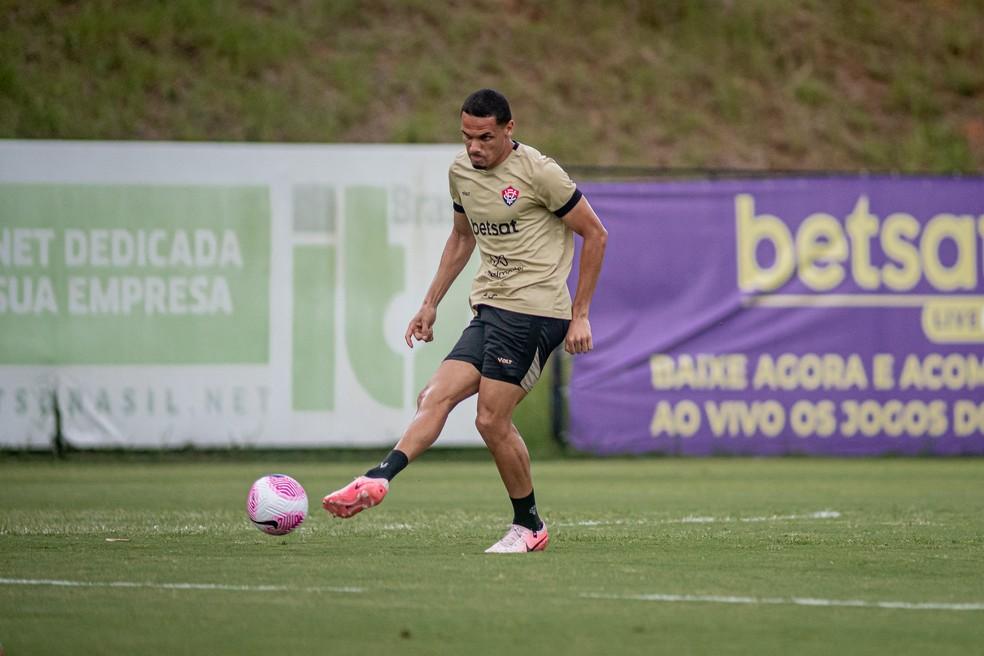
x: 828, y: 316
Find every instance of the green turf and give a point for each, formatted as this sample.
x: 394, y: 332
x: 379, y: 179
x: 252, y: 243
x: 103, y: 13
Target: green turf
x: 908, y: 530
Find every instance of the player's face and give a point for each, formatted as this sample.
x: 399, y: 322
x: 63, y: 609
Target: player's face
x: 487, y: 142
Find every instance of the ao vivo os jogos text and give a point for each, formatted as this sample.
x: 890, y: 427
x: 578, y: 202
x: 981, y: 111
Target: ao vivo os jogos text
x: 849, y: 375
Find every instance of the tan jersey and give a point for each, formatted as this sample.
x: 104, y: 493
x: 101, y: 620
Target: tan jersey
x: 515, y: 211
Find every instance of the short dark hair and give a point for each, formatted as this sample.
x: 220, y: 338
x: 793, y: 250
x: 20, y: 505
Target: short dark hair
x: 488, y: 102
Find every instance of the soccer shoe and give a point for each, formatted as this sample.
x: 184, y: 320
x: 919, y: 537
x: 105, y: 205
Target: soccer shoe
x: 519, y: 539
x: 362, y: 493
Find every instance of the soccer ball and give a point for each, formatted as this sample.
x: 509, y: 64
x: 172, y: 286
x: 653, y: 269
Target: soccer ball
x: 277, y: 504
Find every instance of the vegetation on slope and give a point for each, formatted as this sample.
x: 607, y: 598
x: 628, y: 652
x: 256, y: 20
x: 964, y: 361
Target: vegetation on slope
x: 784, y: 84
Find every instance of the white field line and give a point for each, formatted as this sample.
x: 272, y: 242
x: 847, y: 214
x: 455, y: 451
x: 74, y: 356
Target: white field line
x: 693, y: 519
x: 793, y: 601
x: 689, y: 519
x: 175, y: 586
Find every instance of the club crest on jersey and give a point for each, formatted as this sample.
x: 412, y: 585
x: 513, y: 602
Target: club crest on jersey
x: 510, y: 195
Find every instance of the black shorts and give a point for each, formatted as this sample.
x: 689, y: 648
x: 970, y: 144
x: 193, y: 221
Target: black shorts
x: 509, y: 346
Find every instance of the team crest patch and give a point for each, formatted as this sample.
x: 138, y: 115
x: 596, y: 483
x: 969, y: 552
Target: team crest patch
x: 510, y: 195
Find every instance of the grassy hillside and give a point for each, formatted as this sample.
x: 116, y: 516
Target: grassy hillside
x: 837, y: 84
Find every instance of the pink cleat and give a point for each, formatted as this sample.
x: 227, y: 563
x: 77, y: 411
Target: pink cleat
x: 362, y: 493
x: 519, y: 539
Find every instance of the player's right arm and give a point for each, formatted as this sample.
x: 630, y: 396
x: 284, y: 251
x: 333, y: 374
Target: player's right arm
x: 457, y: 251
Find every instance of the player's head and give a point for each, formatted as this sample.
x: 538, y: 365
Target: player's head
x: 488, y: 102
x: 486, y: 127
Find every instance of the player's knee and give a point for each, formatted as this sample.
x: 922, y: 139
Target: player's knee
x: 490, y: 427
x: 432, y: 398
x: 422, y: 396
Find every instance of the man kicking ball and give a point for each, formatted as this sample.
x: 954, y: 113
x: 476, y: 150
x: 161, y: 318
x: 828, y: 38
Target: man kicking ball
x: 522, y: 209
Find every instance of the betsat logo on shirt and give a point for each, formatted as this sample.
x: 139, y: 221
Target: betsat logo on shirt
x: 495, y: 229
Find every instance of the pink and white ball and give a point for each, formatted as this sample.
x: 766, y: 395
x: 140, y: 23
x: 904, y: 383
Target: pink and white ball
x: 277, y: 504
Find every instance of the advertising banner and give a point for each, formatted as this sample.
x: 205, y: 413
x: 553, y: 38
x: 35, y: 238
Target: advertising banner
x: 163, y: 295
x: 840, y: 316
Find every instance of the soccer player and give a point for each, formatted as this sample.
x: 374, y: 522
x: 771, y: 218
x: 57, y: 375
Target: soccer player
x: 522, y: 209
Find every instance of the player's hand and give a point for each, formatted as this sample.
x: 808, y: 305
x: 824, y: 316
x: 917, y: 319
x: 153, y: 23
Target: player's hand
x: 578, y: 338
x: 421, y: 327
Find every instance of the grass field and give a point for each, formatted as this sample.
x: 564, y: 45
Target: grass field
x: 737, y: 547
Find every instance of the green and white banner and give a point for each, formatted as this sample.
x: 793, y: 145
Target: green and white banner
x: 163, y: 295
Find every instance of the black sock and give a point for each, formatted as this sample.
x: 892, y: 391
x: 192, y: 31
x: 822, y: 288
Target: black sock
x: 391, y: 465
x: 524, y: 513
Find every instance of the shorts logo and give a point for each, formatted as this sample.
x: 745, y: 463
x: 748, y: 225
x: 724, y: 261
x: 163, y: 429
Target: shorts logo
x: 510, y: 195
x: 504, y: 360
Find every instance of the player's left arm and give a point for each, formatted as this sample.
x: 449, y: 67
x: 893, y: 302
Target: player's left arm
x: 583, y: 220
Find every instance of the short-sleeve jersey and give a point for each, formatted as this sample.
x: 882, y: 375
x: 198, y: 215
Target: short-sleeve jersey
x: 515, y: 211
